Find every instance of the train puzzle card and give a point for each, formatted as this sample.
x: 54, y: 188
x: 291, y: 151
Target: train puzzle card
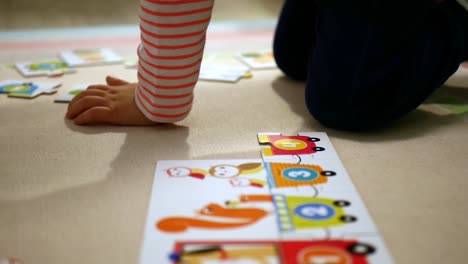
x: 255, y: 211
x: 201, y: 200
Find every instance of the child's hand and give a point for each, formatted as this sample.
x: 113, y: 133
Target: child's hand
x: 113, y: 103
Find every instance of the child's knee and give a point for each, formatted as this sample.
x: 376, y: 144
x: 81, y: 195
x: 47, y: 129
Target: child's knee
x: 338, y: 112
x: 339, y: 119
x: 290, y: 68
x: 288, y: 63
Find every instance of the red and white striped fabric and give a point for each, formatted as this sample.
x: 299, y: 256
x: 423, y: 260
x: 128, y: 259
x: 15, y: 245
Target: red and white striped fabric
x: 171, y: 50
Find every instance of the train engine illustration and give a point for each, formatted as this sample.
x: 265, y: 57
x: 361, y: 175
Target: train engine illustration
x: 288, y: 145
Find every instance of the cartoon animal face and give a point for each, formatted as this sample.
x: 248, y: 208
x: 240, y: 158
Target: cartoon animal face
x: 178, y: 172
x: 225, y: 171
x: 240, y: 182
x: 210, y: 209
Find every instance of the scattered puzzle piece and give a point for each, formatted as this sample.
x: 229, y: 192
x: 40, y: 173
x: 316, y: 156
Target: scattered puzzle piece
x: 258, y: 60
x: 48, y: 68
x: 223, y: 73
x: 89, y: 57
x: 131, y: 63
x: 69, y: 94
x: 29, y: 90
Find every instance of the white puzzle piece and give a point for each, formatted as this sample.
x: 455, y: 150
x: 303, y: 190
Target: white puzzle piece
x: 52, y: 68
x: 28, y: 90
x: 258, y: 60
x: 89, y: 57
x: 67, y: 95
x: 223, y: 73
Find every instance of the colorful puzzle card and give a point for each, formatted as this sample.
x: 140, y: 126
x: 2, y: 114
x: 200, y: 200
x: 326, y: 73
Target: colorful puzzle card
x: 52, y: 68
x: 191, y: 200
x: 28, y: 90
x: 89, y: 57
x: 258, y: 60
x: 67, y: 95
x: 243, y: 200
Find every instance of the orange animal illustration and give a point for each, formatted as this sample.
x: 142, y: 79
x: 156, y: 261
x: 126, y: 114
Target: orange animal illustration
x: 232, y: 218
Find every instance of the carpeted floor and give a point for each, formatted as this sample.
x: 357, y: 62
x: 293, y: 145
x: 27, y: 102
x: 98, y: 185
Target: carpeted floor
x: 73, y: 194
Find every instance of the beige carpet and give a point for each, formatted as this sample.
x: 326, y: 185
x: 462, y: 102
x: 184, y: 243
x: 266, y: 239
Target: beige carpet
x: 73, y: 194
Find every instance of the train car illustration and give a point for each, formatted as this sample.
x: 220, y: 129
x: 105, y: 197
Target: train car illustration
x: 302, y: 213
x: 288, y: 145
x: 298, y: 213
x: 281, y: 175
x: 326, y: 251
x: 340, y: 251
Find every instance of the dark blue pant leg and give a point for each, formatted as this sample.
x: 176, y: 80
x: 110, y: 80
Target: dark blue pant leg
x: 295, y: 37
x: 368, y: 68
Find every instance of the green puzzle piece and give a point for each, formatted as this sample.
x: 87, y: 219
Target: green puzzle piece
x: 452, y: 103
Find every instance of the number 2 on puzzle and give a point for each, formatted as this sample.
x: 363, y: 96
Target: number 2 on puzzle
x: 292, y: 212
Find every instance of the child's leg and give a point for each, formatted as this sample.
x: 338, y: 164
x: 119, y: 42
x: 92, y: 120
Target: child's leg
x: 293, y: 39
x: 367, y: 71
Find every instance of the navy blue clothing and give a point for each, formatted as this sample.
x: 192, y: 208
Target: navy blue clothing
x: 367, y: 63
